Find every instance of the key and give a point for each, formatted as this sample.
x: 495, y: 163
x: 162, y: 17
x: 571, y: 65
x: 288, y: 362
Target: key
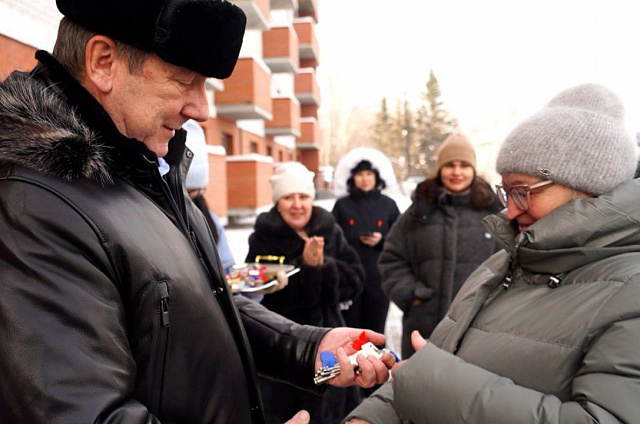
x: 326, y: 373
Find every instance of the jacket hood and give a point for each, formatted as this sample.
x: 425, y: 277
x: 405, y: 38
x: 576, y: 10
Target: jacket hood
x: 42, y: 132
x: 575, y: 234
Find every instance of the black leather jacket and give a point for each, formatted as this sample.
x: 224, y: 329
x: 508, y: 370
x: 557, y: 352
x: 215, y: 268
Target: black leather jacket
x: 113, y: 305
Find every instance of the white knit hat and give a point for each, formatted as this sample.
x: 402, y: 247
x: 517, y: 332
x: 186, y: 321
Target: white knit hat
x: 578, y: 140
x: 198, y: 174
x: 290, y: 178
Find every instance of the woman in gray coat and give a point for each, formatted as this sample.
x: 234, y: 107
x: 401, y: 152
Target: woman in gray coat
x: 548, y: 329
x: 438, y: 242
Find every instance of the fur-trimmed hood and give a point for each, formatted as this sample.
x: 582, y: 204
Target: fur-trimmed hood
x: 41, y: 131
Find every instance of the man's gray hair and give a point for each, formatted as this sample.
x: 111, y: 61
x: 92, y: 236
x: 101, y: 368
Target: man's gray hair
x: 70, y: 46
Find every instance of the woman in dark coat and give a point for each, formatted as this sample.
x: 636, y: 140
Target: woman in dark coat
x: 331, y: 273
x: 366, y: 216
x: 438, y: 241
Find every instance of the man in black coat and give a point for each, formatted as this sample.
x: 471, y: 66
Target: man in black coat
x: 113, y: 303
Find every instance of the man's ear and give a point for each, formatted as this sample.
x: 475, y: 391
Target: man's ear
x: 101, y: 62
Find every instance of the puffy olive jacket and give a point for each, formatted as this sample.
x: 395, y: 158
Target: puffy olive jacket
x: 546, y: 331
x: 113, y: 305
x: 428, y: 255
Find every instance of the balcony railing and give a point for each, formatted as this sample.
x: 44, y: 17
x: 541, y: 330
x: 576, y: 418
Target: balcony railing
x: 284, y: 4
x: 280, y: 49
x: 286, y: 118
x: 307, y: 88
x: 247, y: 92
x: 310, y: 134
x: 308, y: 8
x: 306, y: 30
x: 257, y: 12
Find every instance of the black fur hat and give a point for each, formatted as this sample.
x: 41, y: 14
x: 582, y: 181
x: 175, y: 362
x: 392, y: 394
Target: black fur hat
x: 201, y: 35
x: 365, y: 165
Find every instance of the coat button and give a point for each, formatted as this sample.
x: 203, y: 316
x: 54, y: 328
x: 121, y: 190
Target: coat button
x: 189, y: 154
x: 487, y: 236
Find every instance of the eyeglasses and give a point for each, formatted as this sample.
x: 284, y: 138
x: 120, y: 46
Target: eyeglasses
x: 520, y: 193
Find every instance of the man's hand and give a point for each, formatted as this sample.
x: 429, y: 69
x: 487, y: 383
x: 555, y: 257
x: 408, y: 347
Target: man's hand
x: 339, y: 341
x: 313, y: 253
x: 371, y: 240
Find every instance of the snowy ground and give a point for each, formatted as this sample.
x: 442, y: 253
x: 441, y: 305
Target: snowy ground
x: 238, y: 242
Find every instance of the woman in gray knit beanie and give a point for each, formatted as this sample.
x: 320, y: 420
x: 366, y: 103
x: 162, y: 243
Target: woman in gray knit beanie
x: 547, y: 329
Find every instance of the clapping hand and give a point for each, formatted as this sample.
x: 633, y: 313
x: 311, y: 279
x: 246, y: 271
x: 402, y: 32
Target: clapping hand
x: 313, y: 253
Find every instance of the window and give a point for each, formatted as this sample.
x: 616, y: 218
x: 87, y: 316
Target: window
x: 226, y: 140
x: 253, y: 147
x: 269, y: 151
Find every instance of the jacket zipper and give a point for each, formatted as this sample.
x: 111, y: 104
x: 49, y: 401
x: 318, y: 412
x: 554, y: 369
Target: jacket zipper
x: 161, y: 346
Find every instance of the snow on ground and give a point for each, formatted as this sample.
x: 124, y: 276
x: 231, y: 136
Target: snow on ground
x: 238, y: 242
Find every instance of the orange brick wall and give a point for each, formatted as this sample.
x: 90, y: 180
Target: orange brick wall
x: 216, y: 193
x: 310, y: 133
x: 286, y: 114
x: 15, y: 56
x: 246, y: 138
x: 249, y: 83
x: 281, y: 42
x: 311, y: 159
x: 309, y: 111
x: 249, y: 184
x: 307, y: 35
x: 308, y: 63
x: 306, y: 82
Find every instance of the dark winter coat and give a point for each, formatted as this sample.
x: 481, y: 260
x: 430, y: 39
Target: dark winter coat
x: 428, y: 255
x: 359, y: 213
x: 313, y: 295
x: 113, y: 304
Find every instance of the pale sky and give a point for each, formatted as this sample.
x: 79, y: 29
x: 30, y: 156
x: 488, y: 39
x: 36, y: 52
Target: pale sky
x: 497, y: 61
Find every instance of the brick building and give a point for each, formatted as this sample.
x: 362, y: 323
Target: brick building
x: 265, y: 113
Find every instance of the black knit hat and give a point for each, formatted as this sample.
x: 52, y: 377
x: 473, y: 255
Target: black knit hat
x: 204, y: 36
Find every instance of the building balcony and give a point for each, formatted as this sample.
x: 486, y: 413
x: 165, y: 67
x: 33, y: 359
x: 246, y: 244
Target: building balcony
x: 257, y: 12
x: 309, y: 111
x: 286, y: 118
x: 247, y: 92
x: 306, y: 30
x: 280, y: 49
x: 310, y: 135
x: 308, y: 8
x: 284, y: 4
x: 307, y: 88
x: 250, y: 192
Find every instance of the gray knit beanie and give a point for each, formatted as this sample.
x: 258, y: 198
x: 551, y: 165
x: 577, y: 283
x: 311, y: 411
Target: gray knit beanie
x: 578, y: 140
